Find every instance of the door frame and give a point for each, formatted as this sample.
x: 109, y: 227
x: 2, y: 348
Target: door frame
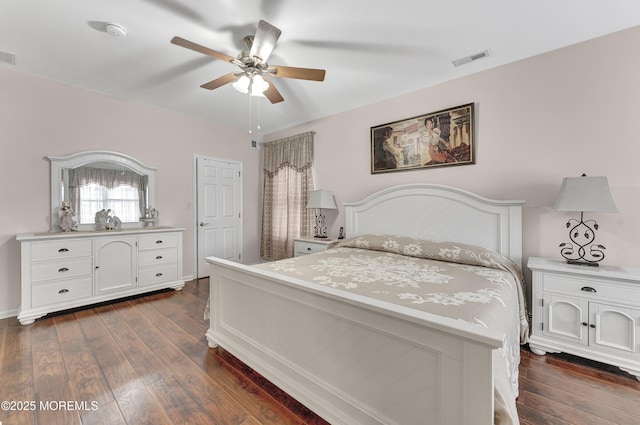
x: 194, y: 206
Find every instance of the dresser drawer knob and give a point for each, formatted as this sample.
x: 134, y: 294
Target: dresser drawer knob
x: 63, y: 291
x: 588, y: 289
x: 63, y: 269
x: 309, y: 249
x: 159, y: 257
x: 585, y: 324
x: 158, y: 274
x: 63, y: 250
x: 159, y: 242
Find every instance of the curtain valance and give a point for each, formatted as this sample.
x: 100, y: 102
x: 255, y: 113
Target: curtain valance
x: 295, y: 151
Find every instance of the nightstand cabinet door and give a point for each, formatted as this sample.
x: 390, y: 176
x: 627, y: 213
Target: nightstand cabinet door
x: 615, y: 328
x: 566, y: 318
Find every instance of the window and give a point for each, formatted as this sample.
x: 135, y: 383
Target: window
x: 123, y: 200
x: 288, y: 179
x: 94, y: 189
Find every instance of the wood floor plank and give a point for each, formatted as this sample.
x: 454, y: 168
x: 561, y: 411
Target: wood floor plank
x: 178, y: 403
x: 192, y: 346
x: 135, y: 401
x: 48, y: 371
x: 106, y: 414
x: 208, y: 392
x: 595, y: 403
x: 568, y: 377
x: 86, y: 380
x: 16, y: 372
x: 144, y: 362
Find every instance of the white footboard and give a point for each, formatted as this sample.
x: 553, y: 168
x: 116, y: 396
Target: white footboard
x: 349, y: 359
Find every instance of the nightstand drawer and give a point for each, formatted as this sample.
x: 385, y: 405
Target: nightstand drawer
x: 302, y: 248
x: 591, y: 288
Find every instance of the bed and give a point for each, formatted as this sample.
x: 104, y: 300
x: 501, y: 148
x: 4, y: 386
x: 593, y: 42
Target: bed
x: 359, y: 352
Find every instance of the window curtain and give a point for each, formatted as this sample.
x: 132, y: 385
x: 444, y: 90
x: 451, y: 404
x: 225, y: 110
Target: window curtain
x: 110, y: 179
x: 288, y: 179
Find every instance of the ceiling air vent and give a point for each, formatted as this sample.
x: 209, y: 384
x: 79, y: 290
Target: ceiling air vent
x: 470, y: 58
x: 7, y: 57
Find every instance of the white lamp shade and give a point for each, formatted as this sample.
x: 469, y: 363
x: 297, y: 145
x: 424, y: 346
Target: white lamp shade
x: 321, y: 199
x: 585, y: 193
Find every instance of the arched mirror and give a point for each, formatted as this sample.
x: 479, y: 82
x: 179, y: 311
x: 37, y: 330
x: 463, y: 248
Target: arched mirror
x: 94, y: 180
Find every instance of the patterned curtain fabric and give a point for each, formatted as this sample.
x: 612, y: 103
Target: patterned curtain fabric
x: 110, y: 179
x: 288, y: 179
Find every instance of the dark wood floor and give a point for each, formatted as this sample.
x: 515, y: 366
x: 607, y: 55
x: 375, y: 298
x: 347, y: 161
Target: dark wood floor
x: 146, y: 361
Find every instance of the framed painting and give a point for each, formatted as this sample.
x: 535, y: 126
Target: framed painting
x: 435, y: 139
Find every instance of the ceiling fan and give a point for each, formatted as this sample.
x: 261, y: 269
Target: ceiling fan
x: 254, y: 71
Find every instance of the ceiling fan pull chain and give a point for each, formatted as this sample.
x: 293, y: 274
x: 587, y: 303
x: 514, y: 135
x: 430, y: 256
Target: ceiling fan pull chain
x: 258, y: 126
x: 250, y: 129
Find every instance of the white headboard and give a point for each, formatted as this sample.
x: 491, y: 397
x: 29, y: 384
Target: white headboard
x: 440, y: 213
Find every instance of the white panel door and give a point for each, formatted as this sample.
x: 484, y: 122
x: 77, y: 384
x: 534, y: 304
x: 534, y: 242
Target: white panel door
x: 219, y: 210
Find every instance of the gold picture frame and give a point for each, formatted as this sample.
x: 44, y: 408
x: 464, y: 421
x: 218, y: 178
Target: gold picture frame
x: 436, y: 139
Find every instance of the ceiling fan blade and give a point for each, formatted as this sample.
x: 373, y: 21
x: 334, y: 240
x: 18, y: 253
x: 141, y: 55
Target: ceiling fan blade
x: 298, y: 73
x: 221, y: 81
x: 201, y: 49
x: 272, y: 92
x: 264, y: 41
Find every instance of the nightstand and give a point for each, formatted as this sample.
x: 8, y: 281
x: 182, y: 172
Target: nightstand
x: 592, y: 312
x: 309, y: 245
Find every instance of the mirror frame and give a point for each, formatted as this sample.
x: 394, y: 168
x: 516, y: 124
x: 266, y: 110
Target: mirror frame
x: 79, y: 159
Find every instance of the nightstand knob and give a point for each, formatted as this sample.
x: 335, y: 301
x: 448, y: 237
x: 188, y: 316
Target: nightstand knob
x: 309, y: 249
x: 588, y: 289
x: 592, y: 326
x: 585, y: 324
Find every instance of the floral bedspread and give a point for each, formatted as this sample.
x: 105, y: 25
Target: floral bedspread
x: 459, y: 281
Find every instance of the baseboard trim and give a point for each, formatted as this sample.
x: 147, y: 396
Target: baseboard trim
x: 7, y: 314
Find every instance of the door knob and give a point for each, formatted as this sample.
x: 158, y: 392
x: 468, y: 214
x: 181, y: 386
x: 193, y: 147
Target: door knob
x: 202, y: 224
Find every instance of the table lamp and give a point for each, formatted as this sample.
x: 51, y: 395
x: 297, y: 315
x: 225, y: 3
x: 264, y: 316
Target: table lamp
x: 584, y: 194
x: 321, y: 199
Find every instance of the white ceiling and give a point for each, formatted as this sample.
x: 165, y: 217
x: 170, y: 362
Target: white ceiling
x: 371, y: 49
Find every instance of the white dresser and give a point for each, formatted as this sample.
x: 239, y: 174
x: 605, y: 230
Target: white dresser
x: 592, y: 312
x: 67, y: 270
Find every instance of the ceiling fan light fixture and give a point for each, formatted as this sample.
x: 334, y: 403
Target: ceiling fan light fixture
x: 242, y: 84
x: 258, y: 85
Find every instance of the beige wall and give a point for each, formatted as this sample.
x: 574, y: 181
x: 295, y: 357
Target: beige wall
x: 42, y: 118
x: 559, y: 114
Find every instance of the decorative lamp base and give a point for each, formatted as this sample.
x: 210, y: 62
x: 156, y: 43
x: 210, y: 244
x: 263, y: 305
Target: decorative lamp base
x: 582, y: 250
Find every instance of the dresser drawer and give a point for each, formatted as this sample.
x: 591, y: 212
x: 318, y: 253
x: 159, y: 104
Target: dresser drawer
x: 590, y: 288
x: 158, y: 240
x: 157, y: 256
x: 60, y: 292
x: 158, y: 274
x: 62, y: 269
x: 60, y: 249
